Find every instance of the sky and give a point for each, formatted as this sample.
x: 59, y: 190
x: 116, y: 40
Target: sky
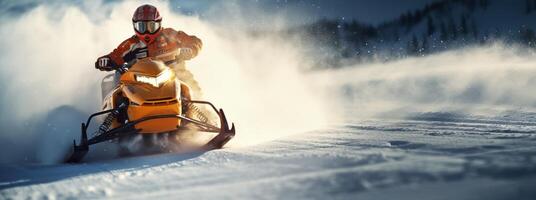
x: 295, y: 11
x: 366, y: 11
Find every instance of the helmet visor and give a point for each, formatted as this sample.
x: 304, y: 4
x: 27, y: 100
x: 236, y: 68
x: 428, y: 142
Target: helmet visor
x: 146, y: 26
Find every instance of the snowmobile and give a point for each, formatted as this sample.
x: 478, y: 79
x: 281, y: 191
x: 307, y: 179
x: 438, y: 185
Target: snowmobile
x: 148, y: 101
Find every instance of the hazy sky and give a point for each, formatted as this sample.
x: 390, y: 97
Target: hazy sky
x: 298, y: 11
x: 370, y: 11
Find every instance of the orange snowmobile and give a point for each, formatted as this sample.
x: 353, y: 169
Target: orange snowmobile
x: 149, y: 101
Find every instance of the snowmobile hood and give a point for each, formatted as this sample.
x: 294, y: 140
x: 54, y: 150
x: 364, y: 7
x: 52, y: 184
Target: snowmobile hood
x: 143, y: 93
x: 150, y: 81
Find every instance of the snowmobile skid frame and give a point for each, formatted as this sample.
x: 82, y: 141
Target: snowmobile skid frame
x: 224, y: 132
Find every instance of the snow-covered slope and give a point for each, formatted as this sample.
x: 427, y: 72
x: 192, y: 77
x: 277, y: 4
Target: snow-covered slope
x: 427, y: 156
x: 455, y: 125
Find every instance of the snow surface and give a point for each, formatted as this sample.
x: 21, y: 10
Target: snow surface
x: 431, y: 154
x: 425, y: 156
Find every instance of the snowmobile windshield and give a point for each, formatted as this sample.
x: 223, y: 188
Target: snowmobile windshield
x: 146, y: 26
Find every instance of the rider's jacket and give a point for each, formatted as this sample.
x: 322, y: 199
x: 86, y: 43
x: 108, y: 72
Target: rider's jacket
x: 162, y: 48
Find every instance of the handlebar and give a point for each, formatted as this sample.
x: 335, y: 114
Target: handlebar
x: 125, y: 66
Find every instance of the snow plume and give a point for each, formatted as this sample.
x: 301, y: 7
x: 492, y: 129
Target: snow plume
x: 50, y: 86
x: 473, y: 80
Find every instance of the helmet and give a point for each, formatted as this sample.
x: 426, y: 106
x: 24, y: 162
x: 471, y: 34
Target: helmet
x: 146, y: 21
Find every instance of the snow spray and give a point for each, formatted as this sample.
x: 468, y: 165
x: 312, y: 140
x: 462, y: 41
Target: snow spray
x: 50, y: 84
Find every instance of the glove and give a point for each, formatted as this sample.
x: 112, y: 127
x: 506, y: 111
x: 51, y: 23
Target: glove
x: 186, y: 53
x: 137, y: 53
x: 104, y: 63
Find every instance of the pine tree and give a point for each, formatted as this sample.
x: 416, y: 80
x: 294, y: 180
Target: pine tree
x: 424, y: 46
x: 417, y: 17
x: 463, y: 26
x: 409, y: 20
x: 474, y: 29
x: 443, y: 34
x: 451, y: 28
x: 528, y: 37
x: 430, y: 30
x: 413, y: 46
x: 396, y: 36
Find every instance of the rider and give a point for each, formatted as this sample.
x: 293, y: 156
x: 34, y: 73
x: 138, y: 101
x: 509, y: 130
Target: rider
x: 151, y: 40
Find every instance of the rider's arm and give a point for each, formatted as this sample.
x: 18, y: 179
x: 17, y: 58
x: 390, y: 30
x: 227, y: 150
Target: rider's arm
x: 190, y: 42
x: 115, y: 58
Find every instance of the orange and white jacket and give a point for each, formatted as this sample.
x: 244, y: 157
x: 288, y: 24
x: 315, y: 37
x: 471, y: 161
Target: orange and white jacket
x: 164, y: 47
